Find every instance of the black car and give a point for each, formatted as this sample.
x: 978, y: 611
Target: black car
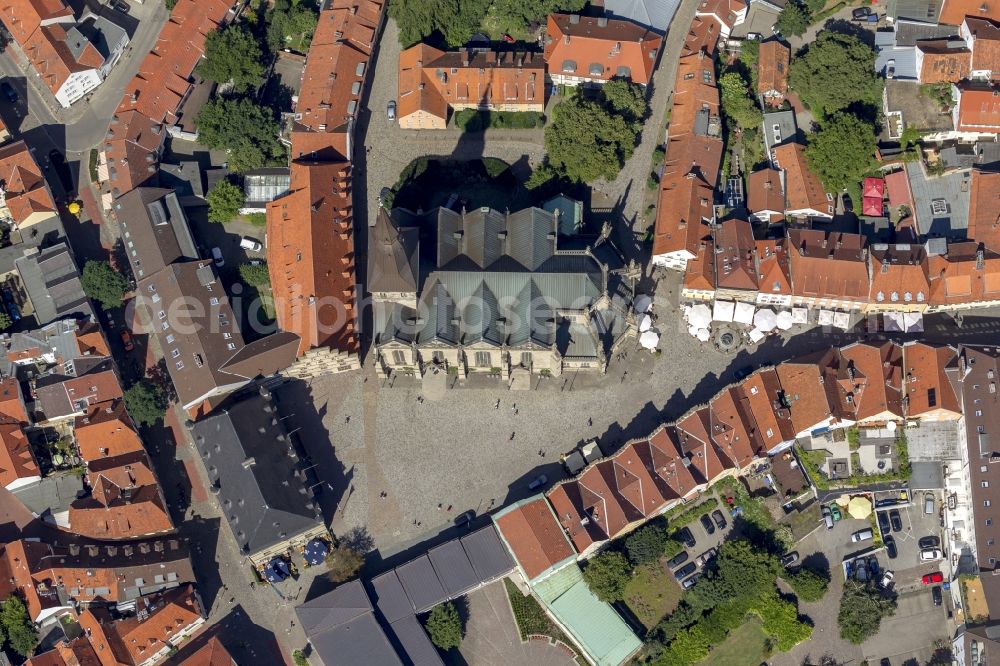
x: 720, y: 520
x: 465, y: 519
x: 873, y: 568
x: 685, y: 571
x: 928, y: 542
x: 707, y: 524
x: 848, y: 204
x: 678, y: 559
x: 789, y: 559
x: 890, y: 547
x: 123, y: 7
x: 685, y: 537
x: 936, y: 595
x: 883, y: 522
x: 9, y: 92
x: 861, y: 13
x: 897, y: 522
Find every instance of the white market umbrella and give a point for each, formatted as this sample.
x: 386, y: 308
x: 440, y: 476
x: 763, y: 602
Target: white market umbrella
x: 744, y: 313
x: 693, y: 331
x: 649, y: 339
x: 643, y: 303
x: 723, y: 311
x: 825, y: 318
x: 703, y: 334
x: 784, y: 320
x: 700, y: 316
x: 800, y: 315
x: 913, y: 322
x: 645, y: 323
x: 765, y: 319
x: 842, y: 320
x: 756, y: 335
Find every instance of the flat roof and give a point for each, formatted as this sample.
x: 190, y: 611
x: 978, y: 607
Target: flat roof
x: 941, y: 203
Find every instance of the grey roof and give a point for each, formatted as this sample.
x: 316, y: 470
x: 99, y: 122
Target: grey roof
x: 487, y: 239
x: 57, y: 338
x: 416, y: 644
x: 343, y: 630
x: 917, y: 10
x: 904, y: 57
x: 185, y: 179
x: 787, y: 129
x: 394, y: 252
x: 489, y: 557
x: 656, y: 14
x: 926, y: 476
x: 253, y: 466
x: 959, y: 155
x: 988, y: 155
x: 421, y: 584
x: 761, y: 17
x: 43, y: 234
x: 941, y: 203
x: 96, y: 31
x: 154, y: 228
x: 51, y: 495
x: 390, y: 597
x: 908, y: 33
x: 53, y: 284
x: 453, y: 568
x: 263, y: 185
x: 570, y: 213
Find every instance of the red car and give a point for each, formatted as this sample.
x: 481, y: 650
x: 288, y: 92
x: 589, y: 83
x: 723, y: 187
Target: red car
x: 127, y: 341
x: 507, y: 38
x: 931, y: 578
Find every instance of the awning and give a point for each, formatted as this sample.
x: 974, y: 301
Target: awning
x: 700, y: 316
x: 276, y: 570
x: 913, y: 322
x: 743, y: 313
x: 756, y: 335
x: 649, y: 339
x: 643, y: 303
x: 703, y: 334
x: 859, y: 507
x: 645, y: 323
x: 723, y: 311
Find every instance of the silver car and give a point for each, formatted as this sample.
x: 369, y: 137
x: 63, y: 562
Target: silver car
x: 390, y: 110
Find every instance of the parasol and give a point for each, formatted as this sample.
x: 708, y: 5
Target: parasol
x: 765, y: 319
x: 859, y: 507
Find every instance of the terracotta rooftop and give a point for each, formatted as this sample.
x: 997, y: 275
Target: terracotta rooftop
x: 702, y: 37
x: 828, y: 266
x: 132, y: 151
x: 732, y: 427
x: 762, y: 393
x: 765, y: 193
x: 12, y: 401
x: 898, y: 186
x: 802, y: 386
x: 881, y: 368
x: 25, y: 187
x: 803, y: 191
x: 313, y: 267
x: 725, y: 10
x: 962, y: 276
x: 953, y: 12
x: 772, y: 69
x: 978, y: 108
x: 212, y: 653
x: 106, y: 431
x: 600, y: 48
x: 23, y: 17
x: 637, y: 481
x: 984, y: 208
x: 699, y: 274
x: 985, y: 45
x: 693, y: 435
x: 772, y: 263
x: 67, y: 395
x: 735, y: 256
x: 16, y: 459
x: 534, y: 536
x: 667, y: 461
x: 568, y: 504
x: 898, y: 276
x: 926, y: 386
x: 943, y: 62
x: 695, y: 92
x: 78, y: 652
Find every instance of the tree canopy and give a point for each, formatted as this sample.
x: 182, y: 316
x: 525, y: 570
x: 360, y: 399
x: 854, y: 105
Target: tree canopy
x: 837, y: 71
x: 343, y: 563
x: 103, y: 283
x: 224, y: 202
x: 18, y: 626
x: 444, y: 625
x: 255, y: 273
x: 842, y: 151
x: 607, y: 574
x: 146, y: 402
x: 287, y: 19
x: 246, y: 131
x: 809, y: 585
x: 626, y: 98
x: 737, y: 103
x: 455, y: 20
x: 647, y: 544
x: 519, y: 14
x: 233, y: 54
x: 861, y: 611
x: 793, y: 20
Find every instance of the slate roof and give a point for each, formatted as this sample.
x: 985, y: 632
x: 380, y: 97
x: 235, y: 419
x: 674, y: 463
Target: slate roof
x: 343, y: 630
x: 155, y: 229
x: 393, y: 252
x: 656, y: 14
x: 51, y: 278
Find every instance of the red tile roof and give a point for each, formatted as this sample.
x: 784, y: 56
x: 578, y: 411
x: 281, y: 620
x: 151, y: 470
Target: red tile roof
x: 213, y: 653
x: 106, y: 431
x: 132, y: 151
x: 803, y: 191
x: 898, y: 276
x: 568, y: 504
x: 978, y: 108
x: 25, y: 187
x: 961, y: 277
x: 941, y: 62
x: 762, y: 393
x: 735, y: 256
x: 534, y: 536
x: 16, y: 459
x: 694, y: 91
x: 724, y: 10
x: 667, y: 460
x: 637, y: 482
x: 78, y: 652
x: 898, y: 186
x: 699, y: 274
x: 696, y: 442
x: 772, y: 71
x: 802, y: 386
x: 23, y: 17
x: 12, y: 401
x: 953, y: 12
x: 986, y: 45
x: 926, y: 386
x: 732, y: 427
x: 600, y: 48
x: 773, y: 277
x: 310, y: 253
x: 766, y: 193
x: 984, y: 208
x: 828, y: 266
x: 878, y: 370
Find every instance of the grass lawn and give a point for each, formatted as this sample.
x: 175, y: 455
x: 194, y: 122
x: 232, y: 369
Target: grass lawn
x: 530, y: 617
x: 745, y: 647
x: 298, y: 43
x: 652, y: 594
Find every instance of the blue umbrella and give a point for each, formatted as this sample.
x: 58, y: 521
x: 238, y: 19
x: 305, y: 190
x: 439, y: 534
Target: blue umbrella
x: 314, y: 552
x: 276, y: 570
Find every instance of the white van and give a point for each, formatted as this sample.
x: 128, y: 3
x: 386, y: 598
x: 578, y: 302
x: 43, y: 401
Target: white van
x: 251, y: 244
x: 861, y: 535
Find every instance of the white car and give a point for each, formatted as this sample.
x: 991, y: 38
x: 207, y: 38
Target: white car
x: 930, y: 554
x: 251, y: 244
x: 887, y: 579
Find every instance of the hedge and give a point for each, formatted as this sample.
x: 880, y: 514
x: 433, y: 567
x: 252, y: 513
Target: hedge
x: 471, y: 120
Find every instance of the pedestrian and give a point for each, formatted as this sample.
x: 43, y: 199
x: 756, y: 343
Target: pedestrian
x: 512, y: 437
x: 449, y: 507
x: 513, y: 408
x: 590, y: 421
x: 497, y: 406
x: 439, y: 506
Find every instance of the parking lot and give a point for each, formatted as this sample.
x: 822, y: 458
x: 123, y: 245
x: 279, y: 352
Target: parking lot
x: 704, y: 542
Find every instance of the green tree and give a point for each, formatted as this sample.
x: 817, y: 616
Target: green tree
x: 521, y: 14
x: 224, y: 202
x: 842, y: 151
x: 170, y: 4
x: 793, y: 20
x: 18, y: 625
x: 343, y: 563
x: 838, y: 70
x: 255, y: 273
x: 455, y: 20
x: 690, y: 646
x: 287, y: 20
x: 737, y: 103
x: 444, y: 625
x: 647, y: 544
x: 586, y: 142
x: 861, y: 611
x: 815, y: 6
x: 246, y: 131
x: 299, y: 658
x: 607, y: 574
x: 626, y: 98
x: 103, y: 283
x: 146, y: 402
x: 5, y: 321
x: 780, y: 620
x: 232, y: 54
x: 808, y: 585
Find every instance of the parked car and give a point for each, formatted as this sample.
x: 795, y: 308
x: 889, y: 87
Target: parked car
x: 848, y: 203
x: 897, y: 522
x: 827, y: 516
x: 929, y: 503
x: 862, y: 535
x: 390, y: 110
x: 936, y: 595
x: 861, y: 13
x: 930, y: 554
x: 465, y: 519
x: 685, y: 571
x: 890, y: 546
x: 883, y: 522
x: 251, y: 244
x: 127, y: 341
x: 886, y: 581
x: 705, y: 557
x: 753, y: 36
x: 689, y: 582
x: 684, y: 536
x: 122, y: 7
x: 507, y: 38
x: 835, y: 512
x: 931, y: 578
x: 678, y: 559
x: 789, y: 559
x: 861, y: 572
x: 217, y: 257
x: 929, y: 541
x: 873, y: 567
x: 849, y: 570
x: 706, y: 522
x: 538, y: 482
x: 9, y: 92
x: 720, y: 520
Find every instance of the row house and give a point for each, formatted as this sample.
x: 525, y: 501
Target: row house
x: 828, y: 270
x: 25, y: 197
x: 805, y: 196
x: 594, y: 50
x: 927, y: 392
x: 727, y: 13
